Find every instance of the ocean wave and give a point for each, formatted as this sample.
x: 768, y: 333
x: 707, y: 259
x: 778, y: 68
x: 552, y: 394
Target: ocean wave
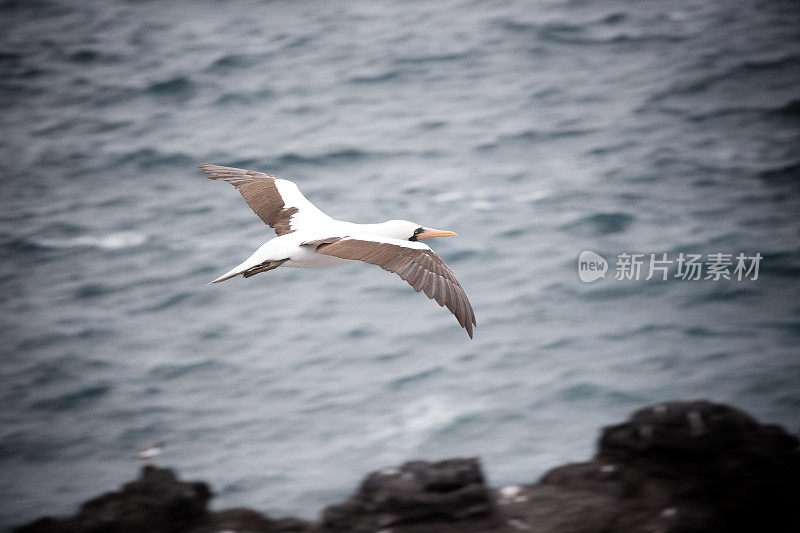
x: 531, y: 135
x: 244, y: 98
x: 347, y: 154
x: 790, y: 172
x: 29, y: 5
x: 434, y: 58
x: 567, y: 37
x: 149, y: 158
x: 413, y: 377
x: 112, y: 241
x: 16, y: 66
x: 87, y: 56
x: 791, y: 108
x: 451, y: 196
x: 212, y: 367
x: 339, y: 156
x: 740, y: 72
x: 84, y: 125
x: 297, y: 42
x: 516, y: 25
x: 538, y: 135
x: 230, y: 62
x: 432, y: 124
x: 92, y: 290
x: 782, y: 263
x: 417, y: 421
x: 602, y: 223
x: 590, y: 32
x: 375, y: 78
x: 178, y: 86
x: 73, y: 399
x: 102, y: 95
x: 166, y: 303
x: 39, y: 340
x: 611, y: 148
x: 59, y: 370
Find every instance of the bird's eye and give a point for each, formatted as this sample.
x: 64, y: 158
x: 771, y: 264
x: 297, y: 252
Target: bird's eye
x: 417, y: 231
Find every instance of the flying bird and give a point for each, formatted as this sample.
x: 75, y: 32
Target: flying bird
x: 308, y: 238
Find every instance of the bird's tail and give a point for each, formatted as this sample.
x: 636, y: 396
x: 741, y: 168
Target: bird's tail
x: 263, y: 259
x: 227, y: 275
x: 248, y: 268
x: 241, y: 268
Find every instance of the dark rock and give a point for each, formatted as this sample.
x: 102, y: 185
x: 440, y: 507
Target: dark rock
x: 155, y: 502
x: 418, y: 491
x: 158, y: 502
x: 710, y: 460
x: 247, y: 520
x: 685, y: 435
x: 674, y: 467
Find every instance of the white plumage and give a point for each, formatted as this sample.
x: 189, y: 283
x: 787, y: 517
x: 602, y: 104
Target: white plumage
x: 308, y: 238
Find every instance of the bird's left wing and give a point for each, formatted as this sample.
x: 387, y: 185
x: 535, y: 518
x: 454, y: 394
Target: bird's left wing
x: 415, y: 262
x: 276, y: 201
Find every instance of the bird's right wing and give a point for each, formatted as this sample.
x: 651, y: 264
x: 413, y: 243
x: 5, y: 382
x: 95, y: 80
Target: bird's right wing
x: 276, y: 201
x: 414, y: 262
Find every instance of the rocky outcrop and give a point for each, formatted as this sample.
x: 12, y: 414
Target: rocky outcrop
x: 417, y: 492
x: 673, y: 467
x: 158, y: 502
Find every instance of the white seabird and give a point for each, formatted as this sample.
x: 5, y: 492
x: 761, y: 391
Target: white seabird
x: 308, y: 238
x: 149, y: 450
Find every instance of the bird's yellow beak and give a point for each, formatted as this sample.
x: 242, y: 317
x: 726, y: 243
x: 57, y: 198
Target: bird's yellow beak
x: 430, y: 232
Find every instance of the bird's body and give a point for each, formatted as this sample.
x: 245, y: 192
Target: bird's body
x: 291, y: 245
x: 149, y: 450
x: 308, y: 238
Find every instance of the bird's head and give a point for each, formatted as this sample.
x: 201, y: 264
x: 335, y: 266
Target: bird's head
x: 411, y: 231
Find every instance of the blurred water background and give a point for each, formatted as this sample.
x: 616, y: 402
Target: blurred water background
x: 535, y: 130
